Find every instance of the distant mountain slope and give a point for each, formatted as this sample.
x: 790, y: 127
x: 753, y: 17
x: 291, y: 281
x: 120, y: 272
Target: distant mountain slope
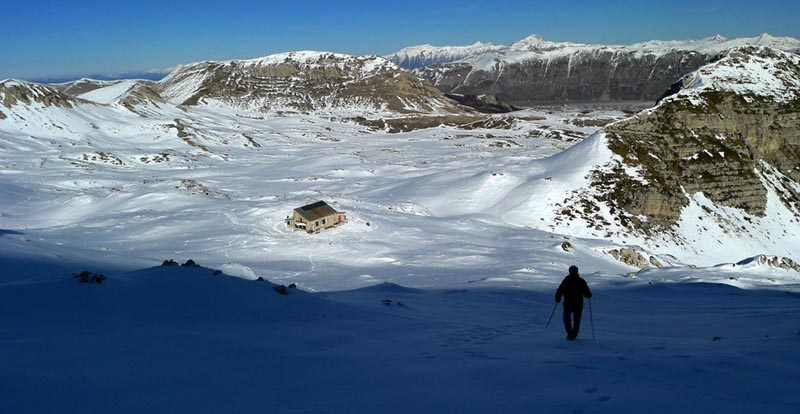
x: 305, y: 82
x: 413, y: 57
x: 535, y: 70
x: 81, y: 86
x: 135, y: 95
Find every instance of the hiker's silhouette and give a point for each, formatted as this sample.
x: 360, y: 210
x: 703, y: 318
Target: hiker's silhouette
x: 573, y: 288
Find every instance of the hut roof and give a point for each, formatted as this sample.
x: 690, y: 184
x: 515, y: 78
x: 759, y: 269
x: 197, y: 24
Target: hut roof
x: 315, y: 211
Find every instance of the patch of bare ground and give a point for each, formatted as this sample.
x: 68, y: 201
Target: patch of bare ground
x: 590, y: 122
x: 186, y: 136
x: 413, y: 123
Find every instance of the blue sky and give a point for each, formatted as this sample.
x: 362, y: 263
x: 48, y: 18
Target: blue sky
x: 65, y: 38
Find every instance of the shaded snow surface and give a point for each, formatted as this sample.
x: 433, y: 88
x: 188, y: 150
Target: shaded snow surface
x: 180, y: 339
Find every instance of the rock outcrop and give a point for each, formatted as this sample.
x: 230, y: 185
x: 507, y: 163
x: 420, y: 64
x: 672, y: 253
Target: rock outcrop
x: 730, y: 134
x: 783, y: 263
x: 14, y: 92
x: 634, y: 257
x: 586, y: 75
x: 712, y: 172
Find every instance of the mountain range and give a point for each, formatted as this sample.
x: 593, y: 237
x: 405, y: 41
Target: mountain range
x: 534, y: 70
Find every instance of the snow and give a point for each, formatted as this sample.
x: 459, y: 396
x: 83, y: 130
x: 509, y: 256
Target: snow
x: 761, y: 74
x: 191, y: 80
x: 220, y: 199
x: 452, y: 228
x: 169, y: 339
x: 109, y: 94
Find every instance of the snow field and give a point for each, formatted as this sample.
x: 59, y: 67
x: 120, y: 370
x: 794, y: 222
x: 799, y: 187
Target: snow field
x: 219, y: 343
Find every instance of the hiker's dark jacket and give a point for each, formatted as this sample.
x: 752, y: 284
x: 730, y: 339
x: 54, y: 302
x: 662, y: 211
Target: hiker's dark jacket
x: 573, y: 289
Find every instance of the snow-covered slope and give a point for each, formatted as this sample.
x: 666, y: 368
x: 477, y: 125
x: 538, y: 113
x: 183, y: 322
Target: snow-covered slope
x: 109, y: 93
x: 20, y: 93
x: 755, y: 73
x: 189, y: 339
x: 81, y: 86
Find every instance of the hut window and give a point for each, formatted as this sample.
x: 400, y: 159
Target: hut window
x: 323, y: 221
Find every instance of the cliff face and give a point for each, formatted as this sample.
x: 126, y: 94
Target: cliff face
x: 732, y: 134
x: 585, y: 76
x: 534, y: 70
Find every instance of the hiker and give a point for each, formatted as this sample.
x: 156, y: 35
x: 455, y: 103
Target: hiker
x: 573, y: 289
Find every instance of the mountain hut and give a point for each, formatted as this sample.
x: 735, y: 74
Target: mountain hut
x: 315, y: 217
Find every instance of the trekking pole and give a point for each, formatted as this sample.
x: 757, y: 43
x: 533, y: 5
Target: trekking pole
x: 551, y: 315
x: 591, y: 318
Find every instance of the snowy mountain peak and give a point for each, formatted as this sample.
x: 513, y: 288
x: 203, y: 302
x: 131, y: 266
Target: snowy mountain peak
x: 135, y: 95
x: 8, y: 84
x: 717, y: 38
x: 766, y: 37
x: 109, y: 93
x: 537, y: 43
x: 531, y: 40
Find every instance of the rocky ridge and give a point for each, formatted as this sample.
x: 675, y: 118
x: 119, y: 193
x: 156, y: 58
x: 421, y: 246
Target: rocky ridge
x: 16, y: 94
x: 301, y: 82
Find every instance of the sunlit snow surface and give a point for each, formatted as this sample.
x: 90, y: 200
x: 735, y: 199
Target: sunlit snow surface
x: 422, y: 206
x: 435, y: 207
